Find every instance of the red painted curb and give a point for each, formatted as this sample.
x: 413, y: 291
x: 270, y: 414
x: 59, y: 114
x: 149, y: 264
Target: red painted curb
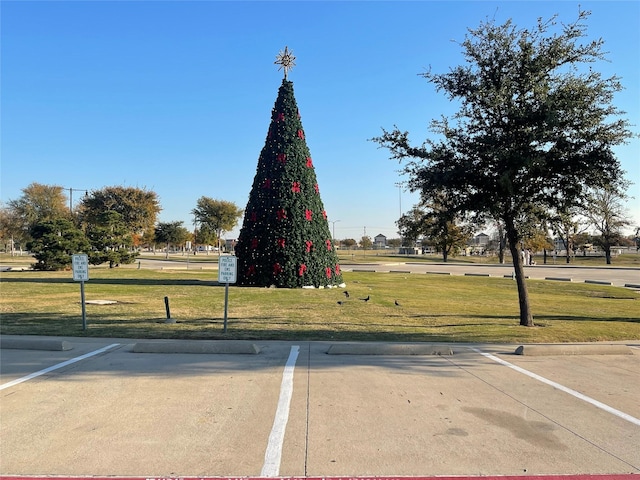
x: 621, y: 476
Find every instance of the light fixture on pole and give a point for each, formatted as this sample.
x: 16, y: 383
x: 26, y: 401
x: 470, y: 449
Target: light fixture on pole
x: 71, y: 190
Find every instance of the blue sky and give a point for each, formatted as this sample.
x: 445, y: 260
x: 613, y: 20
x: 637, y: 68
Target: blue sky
x: 176, y: 96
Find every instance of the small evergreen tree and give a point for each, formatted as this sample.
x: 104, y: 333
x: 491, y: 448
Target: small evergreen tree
x: 54, y: 241
x: 285, y: 239
x: 111, y: 240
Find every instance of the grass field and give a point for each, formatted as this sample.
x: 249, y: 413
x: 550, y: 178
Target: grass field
x: 432, y: 308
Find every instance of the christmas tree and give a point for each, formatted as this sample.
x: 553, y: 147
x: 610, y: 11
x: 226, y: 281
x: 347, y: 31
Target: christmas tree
x: 285, y: 239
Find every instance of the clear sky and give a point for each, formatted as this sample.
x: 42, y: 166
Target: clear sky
x: 176, y: 96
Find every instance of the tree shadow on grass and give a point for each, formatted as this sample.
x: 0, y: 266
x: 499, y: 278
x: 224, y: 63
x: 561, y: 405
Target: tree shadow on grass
x: 583, y: 318
x: 536, y: 318
x: 470, y: 328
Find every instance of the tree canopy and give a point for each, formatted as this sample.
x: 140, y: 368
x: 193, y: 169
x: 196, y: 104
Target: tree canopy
x: 138, y: 208
x: 171, y: 233
x: 606, y: 213
x: 440, y: 225
x: 534, y: 131
x: 215, y: 217
x: 39, y: 203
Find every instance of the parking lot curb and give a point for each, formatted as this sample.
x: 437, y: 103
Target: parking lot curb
x: 197, y: 346
x: 35, y: 344
x: 388, y: 349
x: 574, y: 349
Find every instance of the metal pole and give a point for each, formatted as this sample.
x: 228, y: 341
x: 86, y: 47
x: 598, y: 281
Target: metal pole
x: 84, y: 309
x: 226, y: 305
x: 166, y: 306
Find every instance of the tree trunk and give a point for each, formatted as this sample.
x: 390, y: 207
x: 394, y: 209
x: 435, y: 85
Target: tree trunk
x: 501, y: 243
x: 607, y: 254
x: 526, y: 319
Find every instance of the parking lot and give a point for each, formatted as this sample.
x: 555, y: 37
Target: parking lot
x: 105, y: 407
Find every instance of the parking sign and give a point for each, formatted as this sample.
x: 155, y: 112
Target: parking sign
x: 80, y: 265
x: 227, y: 269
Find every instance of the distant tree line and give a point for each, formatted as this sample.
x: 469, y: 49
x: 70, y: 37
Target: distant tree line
x: 111, y: 225
x: 600, y: 222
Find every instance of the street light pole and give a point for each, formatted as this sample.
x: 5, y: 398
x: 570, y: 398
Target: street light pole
x: 334, y: 228
x: 399, y: 185
x: 71, y: 190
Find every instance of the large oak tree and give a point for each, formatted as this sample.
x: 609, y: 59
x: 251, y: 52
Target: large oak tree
x: 138, y: 208
x: 38, y: 203
x: 535, y: 128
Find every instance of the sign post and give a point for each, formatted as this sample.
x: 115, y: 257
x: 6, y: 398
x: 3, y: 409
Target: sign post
x: 227, y: 273
x: 80, y: 265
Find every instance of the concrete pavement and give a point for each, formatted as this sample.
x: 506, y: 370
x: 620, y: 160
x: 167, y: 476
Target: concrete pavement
x: 473, y: 412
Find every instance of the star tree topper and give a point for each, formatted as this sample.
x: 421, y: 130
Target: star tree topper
x: 286, y: 60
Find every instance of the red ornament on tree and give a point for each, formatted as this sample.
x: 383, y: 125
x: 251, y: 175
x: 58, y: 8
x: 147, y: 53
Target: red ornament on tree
x: 281, y: 214
x: 308, y: 214
x: 277, y: 269
x: 302, y: 269
x: 296, y: 187
x: 328, y: 244
x: 280, y: 117
x: 300, y: 134
x: 309, y: 244
x: 309, y: 162
x: 282, y: 157
x: 281, y: 242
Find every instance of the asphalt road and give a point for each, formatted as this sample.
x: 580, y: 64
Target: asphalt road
x: 618, y: 276
x: 293, y: 409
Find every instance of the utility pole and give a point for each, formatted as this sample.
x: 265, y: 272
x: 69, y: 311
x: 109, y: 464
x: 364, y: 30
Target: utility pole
x: 71, y: 190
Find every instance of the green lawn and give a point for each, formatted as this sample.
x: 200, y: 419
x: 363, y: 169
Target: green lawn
x: 432, y: 308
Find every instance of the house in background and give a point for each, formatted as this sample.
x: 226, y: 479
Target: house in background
x: 481, y: 240
x: 379, y: 241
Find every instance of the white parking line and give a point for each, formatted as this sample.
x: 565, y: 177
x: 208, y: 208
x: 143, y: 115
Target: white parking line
x: 273, y: 454
x: 55, y: 367
x: 576, y: 394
